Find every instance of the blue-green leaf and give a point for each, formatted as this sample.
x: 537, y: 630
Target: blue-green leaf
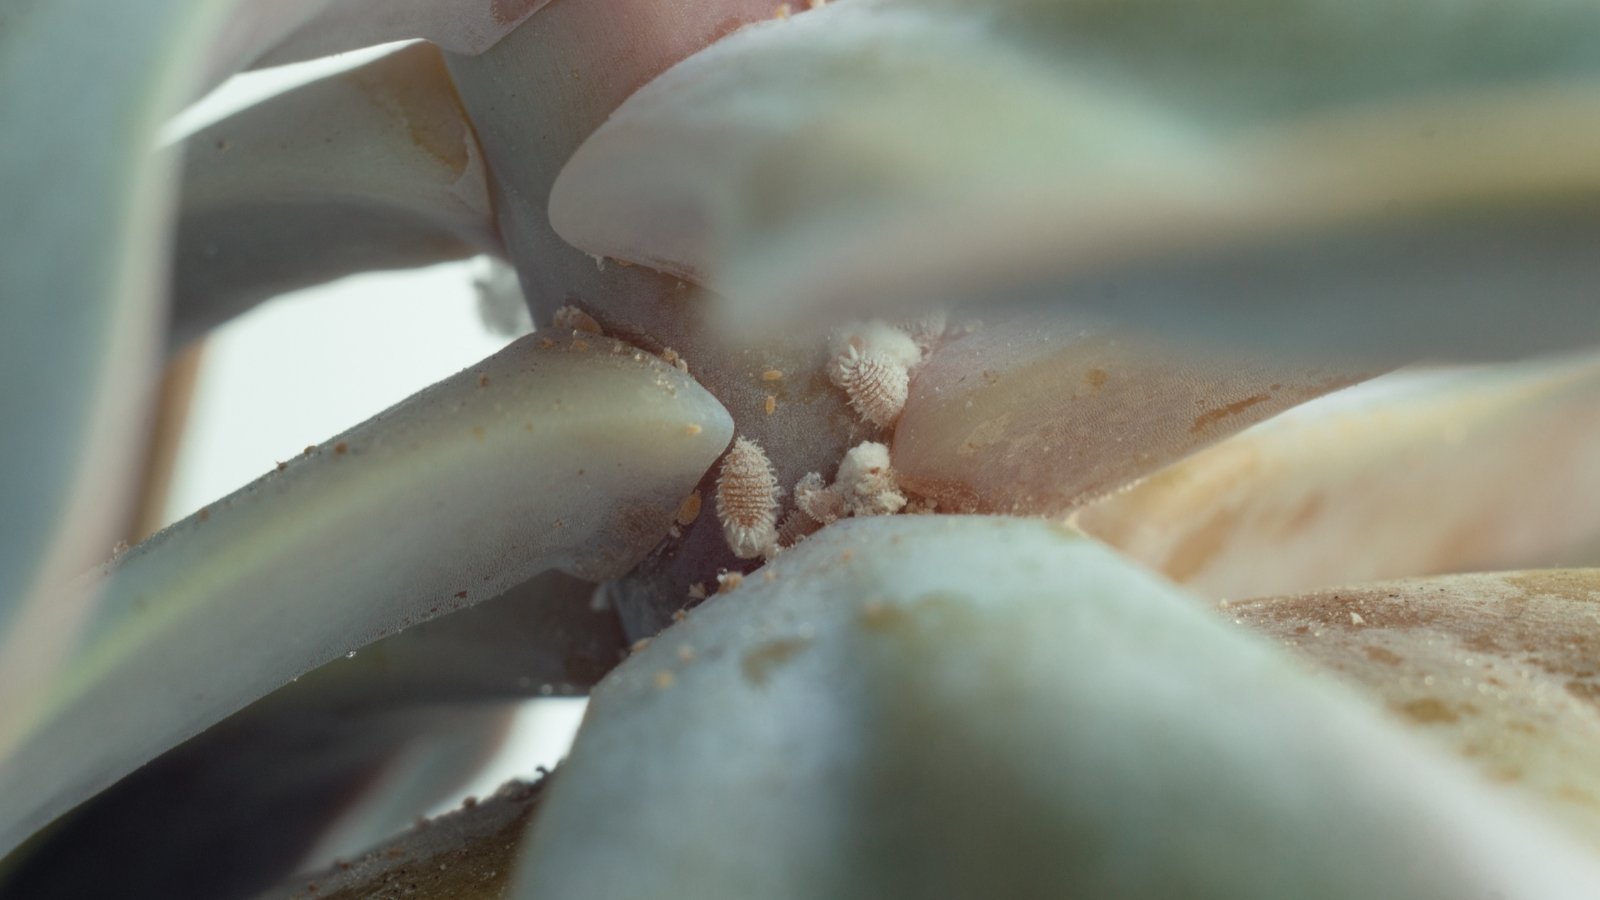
x: 1345, y: 178
x: 548, y: 455
x: 968, y: 707
x: 85, y: 86
x: 375, y: 167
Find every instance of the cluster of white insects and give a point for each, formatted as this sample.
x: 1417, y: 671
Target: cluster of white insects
x: 873, y: 363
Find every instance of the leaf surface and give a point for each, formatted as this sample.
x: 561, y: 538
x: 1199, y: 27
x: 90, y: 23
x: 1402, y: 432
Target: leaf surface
x: 1331, y: 177
x: 1418, y: 473
x: 372, y: 168
x: 1500, y: 668
x: 570, y: 456
x: 960, y: 706
x: 1037, y: 415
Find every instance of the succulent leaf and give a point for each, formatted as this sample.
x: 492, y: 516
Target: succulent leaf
x: 570, y: 457
x: 85, y: 87
x: 1329, y: 177
x: 357, y: 747
x: 1416, y: 473
x: 372, y: 168
x: 1037, y: 415
x: 963, y: 707
x: 240, y: 806
x: 1499, y: 668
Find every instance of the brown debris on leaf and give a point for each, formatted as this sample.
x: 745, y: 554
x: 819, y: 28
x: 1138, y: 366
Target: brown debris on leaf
x: 1503, y: 669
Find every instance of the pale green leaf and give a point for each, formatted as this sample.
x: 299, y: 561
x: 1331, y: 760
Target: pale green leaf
x: 85, y: 86
x: 570, y: 456
x: 1338, y: 177
x: 372, y: 168
x: 970, y: 707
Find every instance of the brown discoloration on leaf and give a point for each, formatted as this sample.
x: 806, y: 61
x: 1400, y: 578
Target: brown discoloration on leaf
x: 760, y: 663
x: 882, y: 617
x: 1380, y: 655
x: 1502, y: 669
x: 1429, y: 710
x: 1575, y: 585
x: 413, y: 87
x: 1436, y: 471
x: 1204, y: 543
x: 1037, y: 417
x: 1303, y: 515
x: 1213, y: 417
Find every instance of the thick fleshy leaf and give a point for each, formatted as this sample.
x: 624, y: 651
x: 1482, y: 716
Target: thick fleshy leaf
x: 1500, y: 668
x: 1037, y: 415
x: 344, y: 757
x: 966, y: 707
x: 372, y: 168
x: 540, y: 638
x: 1327, y: 175
x: 238, y: 808
x: 586, y: 58
x: 1413, y: 474
x: 545, y: 456
x: 85, y: 86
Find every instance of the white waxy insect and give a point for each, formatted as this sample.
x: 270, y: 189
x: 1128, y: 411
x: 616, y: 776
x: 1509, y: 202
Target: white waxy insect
x: 872, y: 363
x: 796, y: 527
x: 571, y: 318
x: 747, y: 500
x: 813, y: 497
x: 874, y: 338
x: 877, y: 387
x: 866, y: 481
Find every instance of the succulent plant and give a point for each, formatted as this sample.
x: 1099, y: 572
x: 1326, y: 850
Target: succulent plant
x: 1018, y: 448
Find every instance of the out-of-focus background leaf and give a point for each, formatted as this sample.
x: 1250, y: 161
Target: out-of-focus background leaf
x: 88, y: 84
x: 1419, y: 472
x: 380, y: 737
x: 1334, y: 177
x: 371, y: 168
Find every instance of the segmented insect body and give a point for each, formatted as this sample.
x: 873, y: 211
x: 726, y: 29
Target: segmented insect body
x: 747, y: 500
x: 876, y: 386
x: 814, y: 498
x: 872, y: 364
x: 796, y: 527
